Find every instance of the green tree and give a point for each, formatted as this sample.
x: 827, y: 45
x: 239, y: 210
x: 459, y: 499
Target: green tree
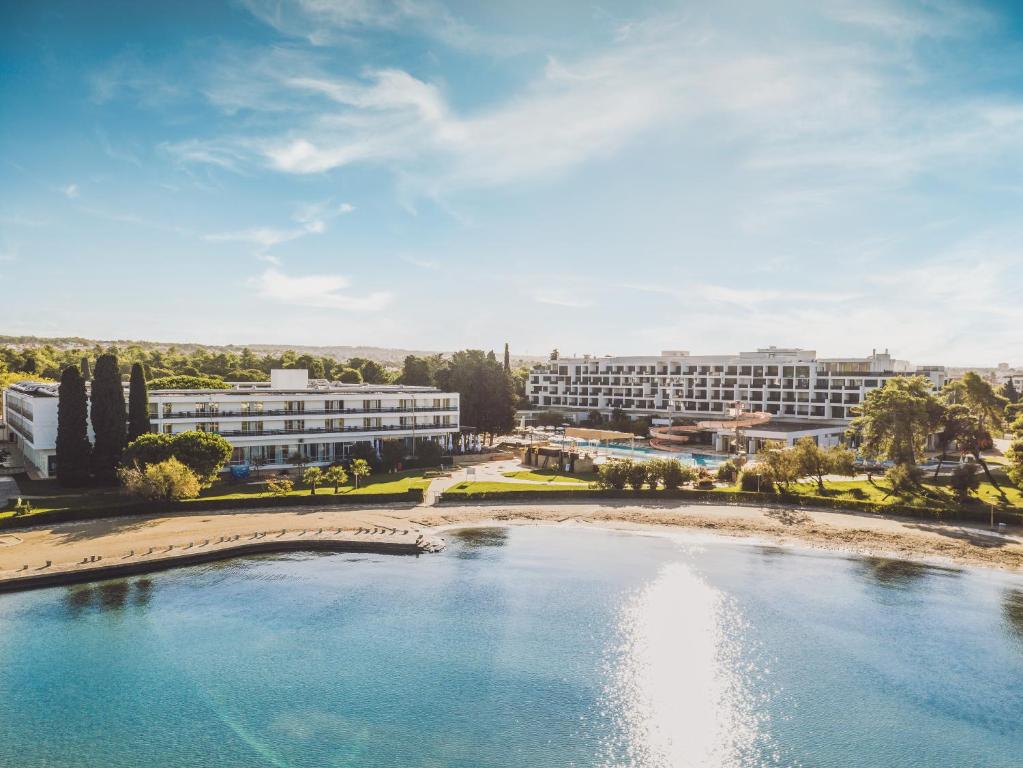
x: 138, y: 403
x: 486, y: 392
x: 415, y: 371
x: 1009, y: 392
x: 312, y: 477
x: 814, y: 461
x: 86, y: 372
x: 188, y: 382
x: 107, y: 413
x: 956, y: 422
x: 429, y: 453
x: 638, y: 475
x: 348, y: 376
x: 781, y: 462
x: 507, y: 358
x: 279, y: 486
x: 360, y: 468
x: 336, y: 476
x: 392, y: 454
x: 205, y: 453
x: 895, y: 420
x: 73, y: 447
x: 987, y: 409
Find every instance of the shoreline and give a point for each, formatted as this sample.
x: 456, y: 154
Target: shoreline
x: 125, y: 545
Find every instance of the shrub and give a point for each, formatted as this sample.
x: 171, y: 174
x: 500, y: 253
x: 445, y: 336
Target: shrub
x: 965, y: 481
x: 392, y: 453
x: 168, y: 480
x: 188, y: 382
x: 729, y: 471
x: 279, y: 486
x: 614, y: 474
x: 757, y: 477
x: 364, y: 450
x: 637, y: 475
x: 904, y: 479
x: 205, y: 453
x: 429, y: 453
x: 672, y: 473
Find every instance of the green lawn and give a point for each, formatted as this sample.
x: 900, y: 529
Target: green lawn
x: 550, y: 476
x: 48, y: 496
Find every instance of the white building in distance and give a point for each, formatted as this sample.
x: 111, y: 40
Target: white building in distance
x: 264, y: 422
x: 805, y: 395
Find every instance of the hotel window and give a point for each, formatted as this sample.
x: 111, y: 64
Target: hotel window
x: 209, y: 409
x: 373, y: 423
x: 166, y: 410
x: 295, y: 406
x: 334, y: 405
x: 407, y: 421
x: 253, y: 408
x: 371, y: 405
x: 168, y: 429
x: 252, y: 426
x: 406, y: 405
x: 209, y: 426
x: 294, y: 425
x: 154, y: 410
x: 332, y: 424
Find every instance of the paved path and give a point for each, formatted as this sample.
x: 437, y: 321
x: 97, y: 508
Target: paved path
x: 489, y: 472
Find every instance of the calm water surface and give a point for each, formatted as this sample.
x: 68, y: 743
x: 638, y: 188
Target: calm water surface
x: 521, y: 647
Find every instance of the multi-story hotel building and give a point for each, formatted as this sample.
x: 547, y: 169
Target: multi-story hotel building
x: 264, y: 422
x: 796, y: 387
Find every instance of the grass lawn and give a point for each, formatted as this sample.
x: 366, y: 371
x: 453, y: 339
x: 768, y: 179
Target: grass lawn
x: 390, y: 482
x: 550, y: 476
x: 48, y: 496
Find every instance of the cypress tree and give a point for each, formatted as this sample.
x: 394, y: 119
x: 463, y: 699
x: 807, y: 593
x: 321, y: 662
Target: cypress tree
x: 108, y: 419
x: 138, y: 403
x: 72, y: 430
x: 507, y: 359
x: 86, y: 373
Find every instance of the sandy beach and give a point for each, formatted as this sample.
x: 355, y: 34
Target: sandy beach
x: 83, y: 546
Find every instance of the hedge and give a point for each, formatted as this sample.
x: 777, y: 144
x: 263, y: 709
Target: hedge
x: 412, y: 495
x: 982, y: 515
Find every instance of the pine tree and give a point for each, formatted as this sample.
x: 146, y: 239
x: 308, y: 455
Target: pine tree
x: 138, y: 403
x: 72, y: 430
x: 507, y: 359
x: 86, y: 373
x: 108, y: 419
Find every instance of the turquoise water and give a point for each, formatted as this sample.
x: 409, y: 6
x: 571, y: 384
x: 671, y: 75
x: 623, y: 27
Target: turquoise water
x: 521, y: 647
x: 641, y: 453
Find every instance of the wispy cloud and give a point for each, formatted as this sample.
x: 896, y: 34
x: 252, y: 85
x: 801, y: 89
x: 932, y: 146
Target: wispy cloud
x: 317, y: 292
x: 70, y: 191
x: 312, y: 219
x: 560, y: 298
x: 323, y: 22
x: 418, y: 261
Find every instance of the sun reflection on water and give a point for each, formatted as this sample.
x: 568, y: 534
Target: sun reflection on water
x: 681, y: 682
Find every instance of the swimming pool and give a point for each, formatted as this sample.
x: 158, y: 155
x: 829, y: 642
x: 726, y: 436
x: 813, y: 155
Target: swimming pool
x: 642, y: 453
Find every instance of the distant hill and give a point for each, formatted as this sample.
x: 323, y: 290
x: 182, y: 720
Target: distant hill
x: 383, y: 355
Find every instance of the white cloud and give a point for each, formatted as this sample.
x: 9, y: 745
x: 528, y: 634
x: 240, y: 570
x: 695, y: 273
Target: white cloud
x: 263, y: 237
x: 560, y: 298
x: 70, y: 191
x: 418, y: 261
x: 317, y: 291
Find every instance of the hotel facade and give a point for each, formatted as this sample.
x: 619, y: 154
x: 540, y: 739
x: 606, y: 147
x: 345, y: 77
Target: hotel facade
x: 266, y: 423
x: 805, y: 395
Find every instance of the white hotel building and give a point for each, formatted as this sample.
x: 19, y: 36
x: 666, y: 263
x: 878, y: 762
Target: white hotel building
x: 805, y: 395
x: 264, y: 422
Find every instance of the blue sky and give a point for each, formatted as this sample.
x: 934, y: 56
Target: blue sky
x: 597, y: 177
